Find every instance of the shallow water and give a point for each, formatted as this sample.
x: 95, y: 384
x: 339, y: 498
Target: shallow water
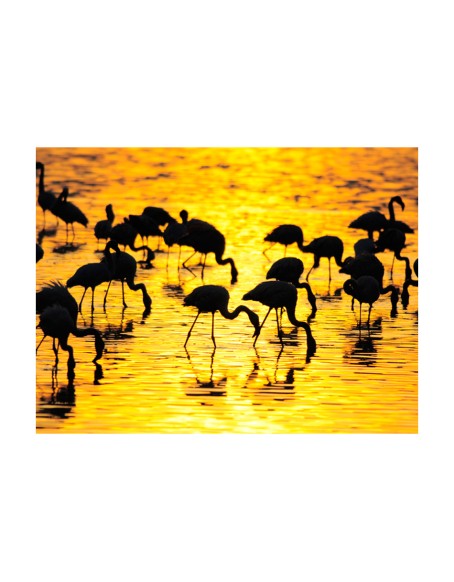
x: 357, y: 381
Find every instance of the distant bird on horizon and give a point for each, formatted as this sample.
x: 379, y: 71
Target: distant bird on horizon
x: 104, y: 227
x: 325, y: 246
x: 68, y: 212
x: 285, y: 234
x: 57, y: 323
x: 290, y: 269
x: 276, y: 295
x: 365, y: 289
x: 212, y: 298
x: 46, y: 198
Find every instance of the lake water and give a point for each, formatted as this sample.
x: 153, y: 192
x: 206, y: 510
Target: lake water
x: 358, y: 381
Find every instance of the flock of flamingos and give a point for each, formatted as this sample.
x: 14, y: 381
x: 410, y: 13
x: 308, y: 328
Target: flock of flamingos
x: 58, y: 310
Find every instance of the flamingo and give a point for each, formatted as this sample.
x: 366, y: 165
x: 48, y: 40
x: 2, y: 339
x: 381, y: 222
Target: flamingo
x: 56, y: 322
x: 123, y: 267
x: 285, y: 234
x: 364, y: 246
x: 173, y: 232
x: 46, y: 198
x: 365, y: 289
x: 393, y: 239
x: 212, y: 298
x: 158, y: 215
x: 369, y: 264
x: 208, y: 240
x: 409, y: 283
x: 290, y: 269
x: 145, y: 226
x: 104, y: 227
x: 56, y: 293
x: 90, y: 276
x: 325, y: 246
x: 279, y: 294
x: 68, y: 212
x: 376, y: 221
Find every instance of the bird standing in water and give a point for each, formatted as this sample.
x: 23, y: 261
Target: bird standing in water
x: 68, y: 212
x: 278, y: 294
x: 56, y: 322
x: 365, y: 289
x: 46, y: 198
x: 104, y: 227
x: 290, y: 269
x: 123, y: 267
x: 212, y: 298
x: 409, y: 283
x: 325, y: 246
x: 90, y: 276
x: 285, y: 234
x: 376, y: 221
x: 207, y: 240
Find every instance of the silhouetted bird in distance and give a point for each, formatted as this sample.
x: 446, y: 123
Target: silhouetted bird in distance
x: 212, y: 298
x: 123, y: 267
x: 285, y: 234
x: 68, y: 212
x: 393, y: 239
x: 290, y: 269
x: 56, y: 293
x: 275, y: 295
x: 145, y: 226
x: 159, y: 216
x: 325, y: 246
x: 365, y: 289
x: 374, y: 221
x: 104, y: 227
x: 89, y: 277
x: 46, y: 198
x: 207, y: 239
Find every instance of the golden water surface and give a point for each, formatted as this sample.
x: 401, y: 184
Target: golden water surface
x: 357, y: 381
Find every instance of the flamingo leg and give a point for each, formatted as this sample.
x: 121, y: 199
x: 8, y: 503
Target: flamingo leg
x: 43, y: 338
x: 368, y: 317
x: 74, y: 234
x: 285, y: 250
x: 267, y: 249
x: 83, y: 295
x: 360, y: 309
x: 203, y: 266
x: 212, y: 328
x: 192, y: 327
x: 105, y: 294
x: 279, y: 330
x: 329, y: 266
x: 92, y: 299
x: 190, y: 257
x: 123, y: 293
x: 260, y: 328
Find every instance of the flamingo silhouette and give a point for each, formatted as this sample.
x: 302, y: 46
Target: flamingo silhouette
x: 365, y: 289
x: 173, y: 232
x: 325, y: 246
x: 160, y: 216
x: 290, y: 269
x: 68, y: 212
x: 89, y: 277
x: 279, y: 294
x: 368, y: 264
x: 56, y: 293
x: 123, y: 267
x: 285, y: 234
x: 46, y: 198
x: 56, y: 322
x: 393, y: 239
x: 104, y: 227
x: 376, y: 221
x: 208, y: 240
x: 145, y: 226
x: 212, y: 298
x: 409, y: 283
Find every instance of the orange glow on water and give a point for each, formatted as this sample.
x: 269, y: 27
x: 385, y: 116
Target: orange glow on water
x: 354, y: 383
